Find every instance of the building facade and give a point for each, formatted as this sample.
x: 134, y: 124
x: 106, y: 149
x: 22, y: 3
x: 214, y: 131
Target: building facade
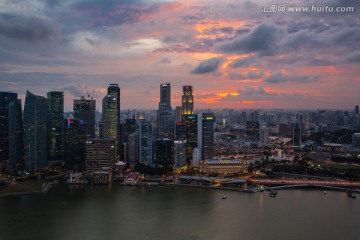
x: 84, y: 109
x: 16, y: 138
x: 187, y: 100
x: 74, y: 144
x: 35, y: 132
x: 208, y: 121
x: 145, y: 142
x: 100, y: 155
x: 5, y: 99
x: 55, y: 127
x: 110, y: 118
x: 191, y: 125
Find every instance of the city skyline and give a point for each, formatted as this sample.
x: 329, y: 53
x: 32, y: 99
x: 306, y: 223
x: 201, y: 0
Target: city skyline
x: 232, y: 53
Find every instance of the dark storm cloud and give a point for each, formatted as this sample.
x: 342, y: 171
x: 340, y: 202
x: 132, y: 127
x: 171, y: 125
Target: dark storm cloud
x: 249, y: 75
x: 243, y: 62
x: 208, y: 66
x: 281, y: 78
x: 264, y: 40
x: 347, y: 37
x: 354, y: 57
x: 26, y: 28
x: 92, y: 14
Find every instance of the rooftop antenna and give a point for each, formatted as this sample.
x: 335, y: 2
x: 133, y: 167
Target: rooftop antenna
x: 87, y: 92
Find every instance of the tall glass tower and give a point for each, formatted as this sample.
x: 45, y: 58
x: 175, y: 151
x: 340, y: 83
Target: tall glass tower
x: 16, y: 137
x: 165, y: 116
x: 35, y: 129
x: 207, y: 124
x: 55, y: 127
x: 145, y: 142
x: 191, y: 126
x: 5, y: 99
x: 84, y: 109
x: 110, y: 118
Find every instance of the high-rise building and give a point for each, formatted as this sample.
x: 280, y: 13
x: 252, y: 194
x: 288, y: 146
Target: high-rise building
x: 74, y: 144
x: 164, y: 152
x: 100, y: 155
x: 252, y: 131
x: 355, y: 144
x: 187, y: 100
x: 5, y: 99
x: 264, y: 133
x: 133, y: 149
x: 180, y: 130
x: 16, y: 138
x: 114, y: 89
x: 165, y: 123
x: 110, y: 118
x: 178, y: 114
x: 196, y: 157
x: 165, y: 94
x: 35, y: 132
x: 145, y: 142
x: 296, y: 134
x: 84, y: 109
x: 191, y: 125
x: 179, y: 153
x: 55, y: 127
x: 208, y: 121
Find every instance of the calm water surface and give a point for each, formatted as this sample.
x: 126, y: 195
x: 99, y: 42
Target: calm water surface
x: 101, y: 212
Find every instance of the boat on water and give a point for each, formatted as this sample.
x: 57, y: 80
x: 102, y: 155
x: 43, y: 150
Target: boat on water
x: 350, y: 193
x: 324, y: 192
x: 273, y: 193
x: 224, y: 197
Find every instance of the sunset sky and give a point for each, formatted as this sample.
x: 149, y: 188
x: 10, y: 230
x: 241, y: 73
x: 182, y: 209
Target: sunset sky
x: 235, y: 55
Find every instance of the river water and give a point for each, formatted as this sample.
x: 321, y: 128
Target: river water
x: 171, y: 213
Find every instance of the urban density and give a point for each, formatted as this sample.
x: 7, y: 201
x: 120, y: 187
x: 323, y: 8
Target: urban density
x: 180, y: 144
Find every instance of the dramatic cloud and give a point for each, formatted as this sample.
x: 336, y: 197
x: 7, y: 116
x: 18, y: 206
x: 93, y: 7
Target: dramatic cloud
x: 242, y: 62
x: 208, y: 66
x: 247, y: 76
x: 280, y: 78
x: 354, y: 57
x: 28, y: 29
x: 264, y: 40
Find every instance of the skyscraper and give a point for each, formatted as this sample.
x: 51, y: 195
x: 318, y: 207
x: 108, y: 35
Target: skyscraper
x: 114, y: 89
x: 55, y: 127
x: 110, y: 118
x: 35, y: 131
x: 164, y: 152
x: 132, y: 148
x: 84, y: 109
x: 191, y: 125
x: 180, y: 130
x: 5, y: 99
x: 74, y: 144
x: 208, y: 121
x: 187, y: 100
x: 145, y: 142
x: 252, y: 131
x: 165, y: 94
x: 16, y: 138
x: 179, y: 153
x: 165, y: 126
